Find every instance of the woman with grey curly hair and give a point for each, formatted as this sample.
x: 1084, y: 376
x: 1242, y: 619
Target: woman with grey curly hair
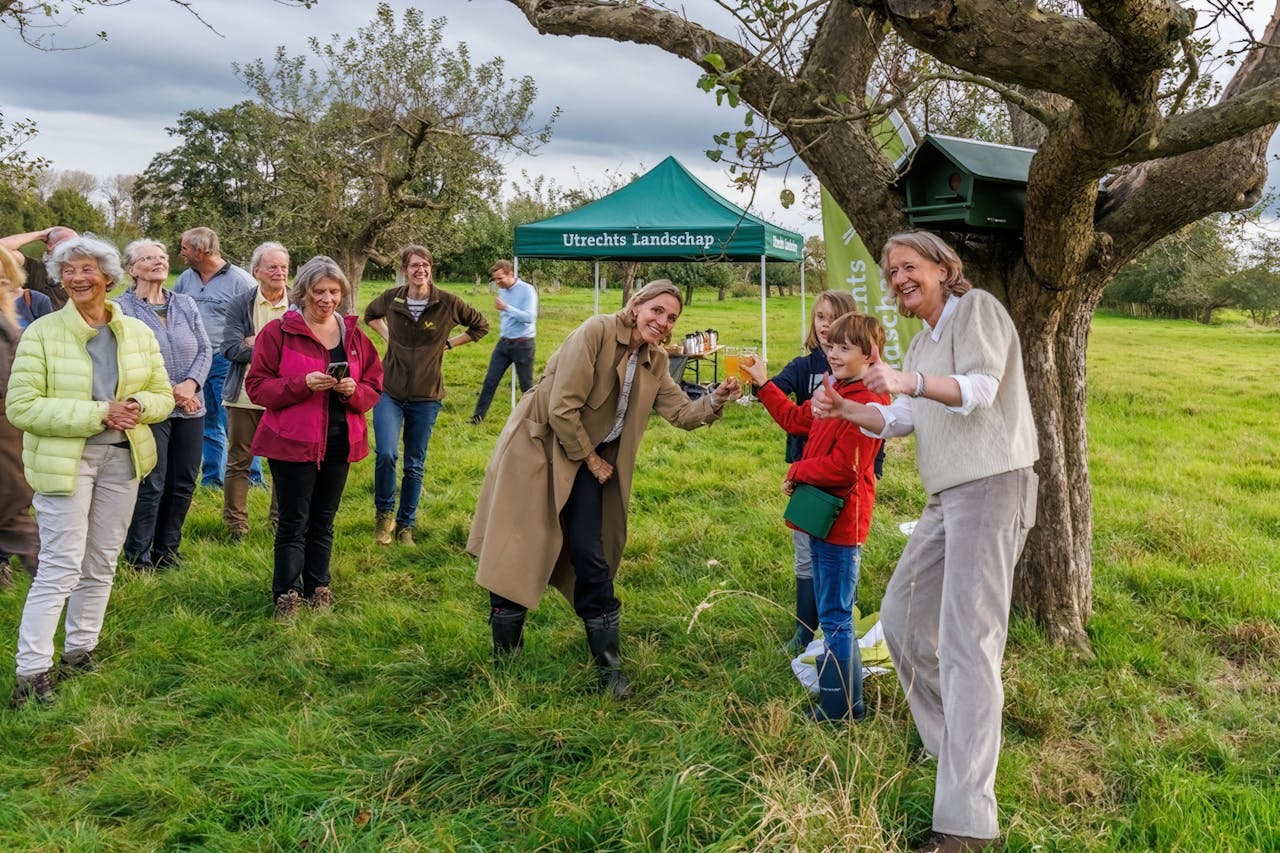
x: 87, y: 382
x: 553, y: 507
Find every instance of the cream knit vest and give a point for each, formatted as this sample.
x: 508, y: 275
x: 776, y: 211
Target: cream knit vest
x: 951, y: 449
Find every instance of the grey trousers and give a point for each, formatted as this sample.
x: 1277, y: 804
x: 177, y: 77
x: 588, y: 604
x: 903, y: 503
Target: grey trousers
x: 946, y: 618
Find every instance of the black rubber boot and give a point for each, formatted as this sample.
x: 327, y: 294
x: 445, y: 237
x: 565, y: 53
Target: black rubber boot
x: 806, y: 616
x: 602, y: 640
x: 508, y: 633
x: 839, y: 690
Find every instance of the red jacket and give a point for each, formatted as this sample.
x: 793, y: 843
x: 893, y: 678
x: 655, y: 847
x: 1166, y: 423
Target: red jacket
x: 296, y: 421
x: 838, y: 458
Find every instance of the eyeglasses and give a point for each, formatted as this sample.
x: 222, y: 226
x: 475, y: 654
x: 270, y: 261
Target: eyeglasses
x: 151, y: 259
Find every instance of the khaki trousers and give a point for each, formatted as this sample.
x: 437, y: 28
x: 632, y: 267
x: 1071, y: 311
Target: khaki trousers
x: 946, y: 618
x: 242, y: 423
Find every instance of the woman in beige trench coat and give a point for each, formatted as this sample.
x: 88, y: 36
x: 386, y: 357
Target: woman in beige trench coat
x: 553, y: 507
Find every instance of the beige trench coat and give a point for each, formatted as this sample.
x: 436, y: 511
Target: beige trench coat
x: 516, y: 531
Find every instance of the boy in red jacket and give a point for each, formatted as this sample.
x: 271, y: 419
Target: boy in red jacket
x: 839, y: 459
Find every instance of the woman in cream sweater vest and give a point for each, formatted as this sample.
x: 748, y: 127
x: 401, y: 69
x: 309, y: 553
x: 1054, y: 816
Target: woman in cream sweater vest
x: 946, y: 610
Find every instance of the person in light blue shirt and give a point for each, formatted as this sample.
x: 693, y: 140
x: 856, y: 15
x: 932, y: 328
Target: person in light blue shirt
x: 212, y: 282
x: 517, y: 304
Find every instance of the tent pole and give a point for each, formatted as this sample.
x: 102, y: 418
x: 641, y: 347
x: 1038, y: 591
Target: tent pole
x: 764, y: 323
x: 803, y: 313
x: 516, y: 271
x: 596, y: 288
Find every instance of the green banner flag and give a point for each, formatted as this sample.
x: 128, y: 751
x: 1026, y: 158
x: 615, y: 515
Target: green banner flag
x: 851, y: 267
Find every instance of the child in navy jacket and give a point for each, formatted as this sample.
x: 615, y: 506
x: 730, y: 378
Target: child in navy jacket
x: 799, y: 379
x: 839, y: 459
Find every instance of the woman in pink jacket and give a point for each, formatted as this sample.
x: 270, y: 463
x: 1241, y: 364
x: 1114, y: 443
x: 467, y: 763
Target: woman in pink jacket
x: 316, y: 374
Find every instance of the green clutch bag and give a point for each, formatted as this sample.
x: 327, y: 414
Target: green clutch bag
x: 813, y: 510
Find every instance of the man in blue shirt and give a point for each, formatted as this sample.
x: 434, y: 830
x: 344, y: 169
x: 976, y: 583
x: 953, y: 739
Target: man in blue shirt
x: 517, y: 304
x: 213, y: 283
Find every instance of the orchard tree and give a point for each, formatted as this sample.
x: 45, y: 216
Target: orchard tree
x: 68, y: 207
x: 17, y: 168
x: 379, y: 137
x: 1133, y: 143
x: 1178, y: 276
x: 222, y: 176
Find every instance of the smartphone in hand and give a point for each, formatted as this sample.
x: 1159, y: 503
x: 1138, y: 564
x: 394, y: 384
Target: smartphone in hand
x: 337, y: 369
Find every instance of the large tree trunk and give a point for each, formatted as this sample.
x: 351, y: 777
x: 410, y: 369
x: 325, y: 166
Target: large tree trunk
x: 353, y: 263
x: 1054, y: 580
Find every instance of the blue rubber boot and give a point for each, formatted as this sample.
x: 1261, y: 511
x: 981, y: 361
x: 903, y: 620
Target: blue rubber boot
x: 839, y: 690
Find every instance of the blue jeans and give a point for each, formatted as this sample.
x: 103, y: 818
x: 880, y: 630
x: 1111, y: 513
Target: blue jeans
x: 214, y: 453
x: 507, y: 352
x: 417, y: 420
x: 835, y: 583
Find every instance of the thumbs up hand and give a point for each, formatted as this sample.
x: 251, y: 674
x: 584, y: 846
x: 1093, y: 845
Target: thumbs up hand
x: 881, y: 378
x: 825, y: 402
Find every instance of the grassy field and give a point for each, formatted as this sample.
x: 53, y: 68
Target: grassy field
x: 380, y: 725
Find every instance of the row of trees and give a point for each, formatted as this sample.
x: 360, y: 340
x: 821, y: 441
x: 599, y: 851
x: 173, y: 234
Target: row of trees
x: 368, y: 143
x: 1203, y: 268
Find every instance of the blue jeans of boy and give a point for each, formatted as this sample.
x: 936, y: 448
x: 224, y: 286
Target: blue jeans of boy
x: 835, y: 582
x: 417, y: 420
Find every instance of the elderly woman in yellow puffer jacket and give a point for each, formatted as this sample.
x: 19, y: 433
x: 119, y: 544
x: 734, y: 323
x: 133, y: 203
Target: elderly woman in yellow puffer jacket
x: 86, y: 383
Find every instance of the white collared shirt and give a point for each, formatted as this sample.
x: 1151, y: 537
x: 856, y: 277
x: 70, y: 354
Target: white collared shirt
x: 977, y: 390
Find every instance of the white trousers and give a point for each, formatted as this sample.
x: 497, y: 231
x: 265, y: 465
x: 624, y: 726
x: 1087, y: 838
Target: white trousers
x: 81, y: 535
x: 946, y: 618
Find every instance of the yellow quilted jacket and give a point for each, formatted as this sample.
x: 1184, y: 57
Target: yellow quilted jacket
x: 50, y: 395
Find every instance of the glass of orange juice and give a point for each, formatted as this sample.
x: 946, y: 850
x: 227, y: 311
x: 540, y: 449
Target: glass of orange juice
x: 731, y: 361
x: 747, y: 357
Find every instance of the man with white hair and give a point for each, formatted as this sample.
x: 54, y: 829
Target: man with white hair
x: 37, y: 277
x: 213, y: 282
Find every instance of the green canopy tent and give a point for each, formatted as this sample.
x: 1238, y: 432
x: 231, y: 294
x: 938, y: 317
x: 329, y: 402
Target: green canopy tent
x: 666, y: 214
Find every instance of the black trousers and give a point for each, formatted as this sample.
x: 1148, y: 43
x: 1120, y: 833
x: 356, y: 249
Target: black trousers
x: 308, y: 498
x: 164, y: 496
x: 582, y: 520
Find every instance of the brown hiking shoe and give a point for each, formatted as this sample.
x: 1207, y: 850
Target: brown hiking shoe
x: 321, y: 599
x: 384, y: 528
x: 28, y: 687
x: 6, y: 575
x: 287, y: 606
x: 75, y: 663
x: 404, y: 535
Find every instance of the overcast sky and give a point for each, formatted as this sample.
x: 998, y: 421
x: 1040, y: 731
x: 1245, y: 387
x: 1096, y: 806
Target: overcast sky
x: 104, y: 108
